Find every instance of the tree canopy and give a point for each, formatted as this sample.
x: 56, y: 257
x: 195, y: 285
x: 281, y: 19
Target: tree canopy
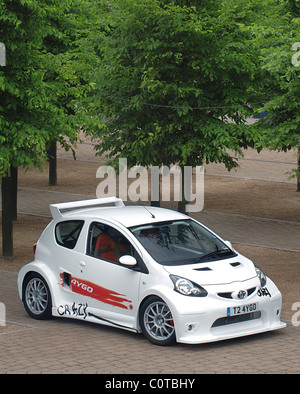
x: 44, y: 79
x: 175, y: 83
x: 277, y: 43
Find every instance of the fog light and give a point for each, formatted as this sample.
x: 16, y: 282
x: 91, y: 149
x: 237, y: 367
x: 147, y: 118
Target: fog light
x: 191, y: 327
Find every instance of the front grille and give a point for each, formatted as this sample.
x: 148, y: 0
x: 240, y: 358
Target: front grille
x: 225, y: 295
x: 252, y: 290
x: 223, y: 321
x: 229, y: 294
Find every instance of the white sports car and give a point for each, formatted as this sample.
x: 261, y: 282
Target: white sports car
x: 148, y: 270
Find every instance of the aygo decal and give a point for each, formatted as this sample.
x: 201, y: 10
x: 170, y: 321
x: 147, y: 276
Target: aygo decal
x: 83, y: 286
x: 99, y: 293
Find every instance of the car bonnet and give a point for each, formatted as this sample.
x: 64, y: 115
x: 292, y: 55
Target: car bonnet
x: 227, y: 271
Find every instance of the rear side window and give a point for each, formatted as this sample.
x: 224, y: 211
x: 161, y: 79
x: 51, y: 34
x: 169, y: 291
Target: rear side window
x: 67, y: 233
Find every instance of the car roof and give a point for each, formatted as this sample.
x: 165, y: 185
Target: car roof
x: 131, y: 215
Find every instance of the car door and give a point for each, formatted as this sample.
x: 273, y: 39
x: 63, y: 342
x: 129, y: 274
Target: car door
x: 111, y: 289
x: 66, y: 265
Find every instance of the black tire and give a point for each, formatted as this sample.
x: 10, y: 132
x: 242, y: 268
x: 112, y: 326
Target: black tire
x: 37, y: 297
x: 156, y: 322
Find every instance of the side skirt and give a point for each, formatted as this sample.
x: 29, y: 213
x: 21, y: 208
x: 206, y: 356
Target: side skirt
x: 80, y: 312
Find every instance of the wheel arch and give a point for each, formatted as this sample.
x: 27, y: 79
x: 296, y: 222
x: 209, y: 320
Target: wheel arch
x: 161, y: 340
x: 42, y: 270
x: 163, y: 294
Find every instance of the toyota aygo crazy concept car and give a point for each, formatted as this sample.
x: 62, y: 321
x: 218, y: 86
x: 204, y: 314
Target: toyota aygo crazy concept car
x: 149, y: 270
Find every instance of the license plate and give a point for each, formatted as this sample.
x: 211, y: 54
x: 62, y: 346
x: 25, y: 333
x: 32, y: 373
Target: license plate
x: 239, y: 310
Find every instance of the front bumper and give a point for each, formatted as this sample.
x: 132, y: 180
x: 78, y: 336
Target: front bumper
x: 211, y: 323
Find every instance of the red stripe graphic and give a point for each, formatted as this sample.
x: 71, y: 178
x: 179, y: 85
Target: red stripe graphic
x: 99, y: 293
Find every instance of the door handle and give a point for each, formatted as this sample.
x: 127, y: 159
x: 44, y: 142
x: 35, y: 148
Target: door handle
x: 82, y: 263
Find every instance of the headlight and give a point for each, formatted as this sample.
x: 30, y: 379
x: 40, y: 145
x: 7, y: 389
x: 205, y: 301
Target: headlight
x: 186, y: 287
x: 262, y: 277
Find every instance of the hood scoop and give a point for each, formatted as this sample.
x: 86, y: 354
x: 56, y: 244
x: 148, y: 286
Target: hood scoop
x: 235, y: 264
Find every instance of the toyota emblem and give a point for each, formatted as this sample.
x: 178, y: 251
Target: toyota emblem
x: 242, y: 294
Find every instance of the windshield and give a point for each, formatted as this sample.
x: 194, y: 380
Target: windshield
x: 181, y: 242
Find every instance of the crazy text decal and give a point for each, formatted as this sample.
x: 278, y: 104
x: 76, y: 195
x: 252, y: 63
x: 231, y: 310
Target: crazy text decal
x: 78, y: 310
x: 263, y: 292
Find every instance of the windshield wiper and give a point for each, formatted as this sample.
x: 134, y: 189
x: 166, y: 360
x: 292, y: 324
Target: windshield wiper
x: 223, y: 253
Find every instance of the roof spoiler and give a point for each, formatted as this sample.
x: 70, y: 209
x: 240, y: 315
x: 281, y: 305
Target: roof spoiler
x: 57, y: 210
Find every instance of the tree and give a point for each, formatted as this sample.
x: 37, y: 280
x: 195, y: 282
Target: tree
x: 71, y: 48
x: 175, y: 83
x: 41, y: 87
x: 277, y: 44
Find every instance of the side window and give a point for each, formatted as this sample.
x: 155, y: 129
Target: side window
x: 67, y: 233
x: 107, y: 243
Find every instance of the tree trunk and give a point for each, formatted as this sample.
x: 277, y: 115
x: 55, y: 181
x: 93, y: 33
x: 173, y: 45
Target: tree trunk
x: 14, y: 176
x: 52, y: 164
x: 182, y: 204
x: 8, y: 211
x: 298, y: 174
x: 155, y: 192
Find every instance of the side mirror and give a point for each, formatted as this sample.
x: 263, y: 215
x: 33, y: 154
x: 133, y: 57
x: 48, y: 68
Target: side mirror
x: 228, y: 243
x: 128, y: 260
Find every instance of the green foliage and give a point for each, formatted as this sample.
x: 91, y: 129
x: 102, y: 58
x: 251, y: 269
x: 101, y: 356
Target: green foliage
x: 275, y: 41
x: 167, y: 81
x: 47, y: 74
x: 174, y: 76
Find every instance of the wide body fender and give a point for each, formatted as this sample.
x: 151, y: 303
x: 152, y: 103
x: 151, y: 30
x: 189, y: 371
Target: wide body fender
x: 43, y: 270
x: 175, y: 301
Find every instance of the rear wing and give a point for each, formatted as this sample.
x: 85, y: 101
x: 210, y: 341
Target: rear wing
x: 57, y: 210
